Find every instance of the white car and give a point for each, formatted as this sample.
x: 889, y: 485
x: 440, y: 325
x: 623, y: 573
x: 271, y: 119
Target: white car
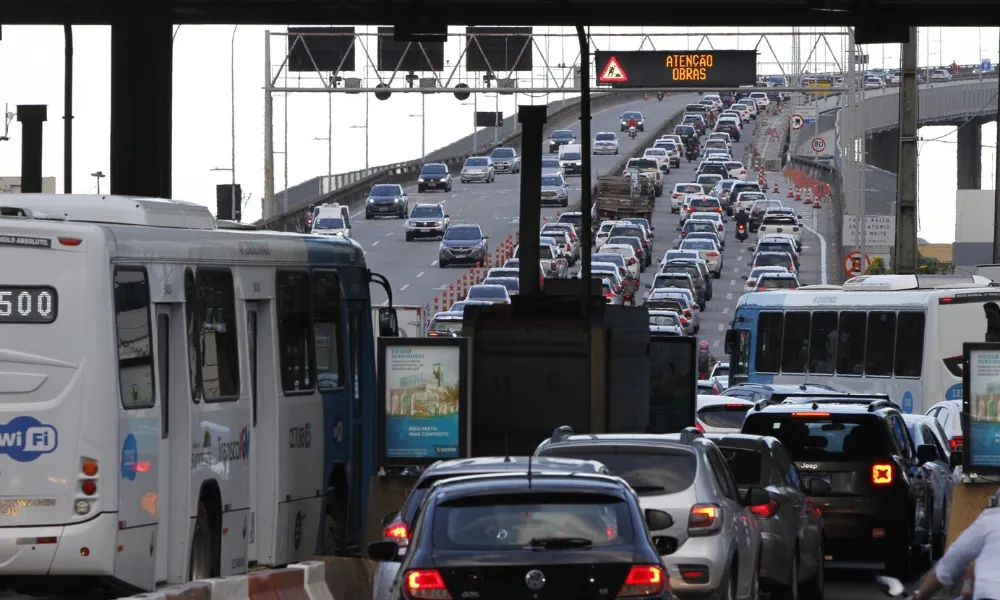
x: 626, y: 252
x: 682, y: 191
x: 761, y: 99
x: 736, y: 170
x: 743, y: 110
x: 673, y: 151
x: 781, y: 224
x: 660, y: 156
x: 721, y: 414
x: 720, y: 373
x: 551, y: 166
x: 755, y: 274
x: 605, y: 142
x: 708, y: 251
x: 603, y: 232
x: 745, y: 200
x: 777, y: 281
x: 949, y: 414
x: 673, y: 138
x: 718, y: 144
x: 940, y: 75
x: 711, y: 216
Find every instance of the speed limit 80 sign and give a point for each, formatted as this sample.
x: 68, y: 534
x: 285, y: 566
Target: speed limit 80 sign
x: 818, y: 144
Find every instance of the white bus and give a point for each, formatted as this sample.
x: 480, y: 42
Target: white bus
x: 177, y: 400
x: 900, y: 335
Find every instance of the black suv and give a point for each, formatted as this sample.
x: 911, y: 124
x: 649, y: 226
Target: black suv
x: 546, y: 535
x: 877, y: 509
x: 434, y: 176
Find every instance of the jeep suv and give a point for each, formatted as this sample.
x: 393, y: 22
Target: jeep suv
x: 877, y: 509
x: 714, y: 543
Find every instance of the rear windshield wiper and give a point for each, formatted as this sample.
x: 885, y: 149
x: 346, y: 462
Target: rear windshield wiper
x: 561, y: 542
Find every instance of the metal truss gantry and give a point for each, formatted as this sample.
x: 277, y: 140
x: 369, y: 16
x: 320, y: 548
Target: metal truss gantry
x: 555, y: 64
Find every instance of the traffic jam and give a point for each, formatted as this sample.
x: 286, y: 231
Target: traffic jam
x: 774, y: 484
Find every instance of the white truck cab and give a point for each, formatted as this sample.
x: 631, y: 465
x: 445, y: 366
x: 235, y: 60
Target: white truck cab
x: 331, y: 219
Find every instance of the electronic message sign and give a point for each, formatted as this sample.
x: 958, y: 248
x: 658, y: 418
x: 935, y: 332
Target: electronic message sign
x: 717, y: 69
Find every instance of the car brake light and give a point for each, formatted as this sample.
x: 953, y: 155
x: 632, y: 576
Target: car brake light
x: 881, y: 474
x: 810, y: 414
x: 397, y: 531
x: 644, y: 580
x: 765, y: 511
x: 609, y: 295
x: 793, y: 288
x: 956, y: 442
x: 684, y: 321
x: 795, y: 228
x: 751, y: 282
x: 713, y: 254
x: 743, y: 171
x: 690, y: 209
x: 687, y: 313
x: 569, y: 248
x: 426, y: 585
x: 699, y: 427
x: 631, y: 261
x: 704, y: 518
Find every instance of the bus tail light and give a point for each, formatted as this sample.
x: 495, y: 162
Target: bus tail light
x: 88, y: 487
x: 87, y: 484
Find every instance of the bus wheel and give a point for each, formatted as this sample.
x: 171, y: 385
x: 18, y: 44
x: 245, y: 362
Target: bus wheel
x: 336, y: 516
x: 202, y: 544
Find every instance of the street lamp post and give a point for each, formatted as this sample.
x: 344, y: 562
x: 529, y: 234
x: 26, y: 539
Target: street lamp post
x: 423, y: 130
x: 365, y: 127
x: 99, y: 175
x: 475, y: 130
x: 329, y: 151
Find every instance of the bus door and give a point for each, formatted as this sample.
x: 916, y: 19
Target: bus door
x: 253, y: 353
x: 265, y: 395
x: 170, y: 500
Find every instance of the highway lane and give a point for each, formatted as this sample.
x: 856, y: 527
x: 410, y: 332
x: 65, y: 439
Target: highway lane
x: 412, y: 267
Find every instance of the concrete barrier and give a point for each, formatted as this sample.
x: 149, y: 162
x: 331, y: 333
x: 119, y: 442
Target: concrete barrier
x: 324, y: 579
x: 385, y: 494
x: 349, y: 578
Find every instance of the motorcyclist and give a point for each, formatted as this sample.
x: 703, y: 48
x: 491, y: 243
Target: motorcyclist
x: 705, y: 360
x: 742, y: 220
x: 633, y: 123
x: 980, y: 542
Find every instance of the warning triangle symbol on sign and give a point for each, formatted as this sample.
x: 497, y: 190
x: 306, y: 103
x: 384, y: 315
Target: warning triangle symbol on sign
x: 613, y: 72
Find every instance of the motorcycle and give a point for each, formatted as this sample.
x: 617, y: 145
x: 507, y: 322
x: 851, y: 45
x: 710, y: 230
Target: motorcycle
x: 632, y: 132
x: 659, y: 96
x: 741, y: 232
x: 691, y: 154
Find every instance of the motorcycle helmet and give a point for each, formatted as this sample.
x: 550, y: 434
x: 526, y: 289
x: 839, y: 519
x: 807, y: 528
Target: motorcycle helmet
x: 703, y: 345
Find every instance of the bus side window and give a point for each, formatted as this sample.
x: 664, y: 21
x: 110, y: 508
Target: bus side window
x: 823, y: 343
x: 327, y: 329
x: 909, y: 343
x: 768, y: 358
x: 220, y: 358
x: 297, y: 363
x: 881, y: 342
x: 135, y: 342
x: 795, y: 347
x: 194, y: 326
x: 743, y: 353
x: 851, y: 347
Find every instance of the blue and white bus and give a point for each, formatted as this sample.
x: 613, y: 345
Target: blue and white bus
x: 900, y: 335
x: 178, y: 400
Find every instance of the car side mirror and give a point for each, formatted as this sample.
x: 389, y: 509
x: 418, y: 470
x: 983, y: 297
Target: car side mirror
x: 756, y: 496
x: 818, y: 487
x: 447, y: 216
x: 350, y: 226
x: 486, y: 237
x: 386, y: 551
x: 657, y: 520
x: 926, y: 453
x: 956, y: 458
x: 388, y: 322
x: 744, y: 277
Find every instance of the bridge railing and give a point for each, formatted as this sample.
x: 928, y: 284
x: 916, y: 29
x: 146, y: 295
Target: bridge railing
x: 352, y: 188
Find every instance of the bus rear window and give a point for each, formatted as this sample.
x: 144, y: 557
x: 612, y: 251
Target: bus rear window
x: 823, y: 437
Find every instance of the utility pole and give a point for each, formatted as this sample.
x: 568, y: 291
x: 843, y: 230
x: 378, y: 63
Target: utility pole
x: 907, y: 259
x: 99, y: 175
x: 267, y: 205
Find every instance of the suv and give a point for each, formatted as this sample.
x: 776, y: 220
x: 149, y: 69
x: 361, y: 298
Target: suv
x: 463, y: 244
x: 714, y: 542
x: 434, y: 176
x: 878, y: 506
x: 426, y: 220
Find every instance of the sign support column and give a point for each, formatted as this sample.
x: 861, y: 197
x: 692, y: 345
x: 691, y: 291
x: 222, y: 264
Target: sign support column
x: 907, y: 259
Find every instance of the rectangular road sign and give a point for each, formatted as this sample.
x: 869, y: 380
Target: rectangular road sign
x: 676, y: 68
x: 880, y: 230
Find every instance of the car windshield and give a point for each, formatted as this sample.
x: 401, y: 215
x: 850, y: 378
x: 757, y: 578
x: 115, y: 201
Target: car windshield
x: 649, y: 473
x: 531, y: 520
x: 664, y: 320
x: 776, y: 283
x: 684, y: 130
x: 461, y: 305
x: 705, y: 203
x: 687, y: 188
x: 445, y: 326
x: 477, y: 162
x: 656, y: 152
x: 822, y: 438
x: 761, y: 207
x: 756, y: 273
x: 463, y: 233
x: 570, y: 156
x: 744, y: 463
x: 632, y: 115
x: 480, y: 292
x: 503, y: 153
x: 562, y: 135
x: 434, y: 170
x: 700, y: 225
x: 510, y: 283
x: 749, y: 196
x: 386, y: 189
x: 671, y: 280
x: 699, y: 245
x: 426, y: 212
x: 609, y: 257
x: 550, y: 163
x: 605, y: 137
x: 550, y: 180
x: 330, y: 223
x: 709, y: 178
x: 776, y: 260
x: 641, y: 164
x: 624, y: 239
x: 778, y: 220
x: 571, y: 218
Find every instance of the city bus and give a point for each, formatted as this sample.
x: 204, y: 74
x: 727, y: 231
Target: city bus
x: 899, y: 335
x: 177, y: 400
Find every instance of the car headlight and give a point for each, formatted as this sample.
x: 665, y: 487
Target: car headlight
x: 420, y: 179
x: 370, y: 200
x: 396, y: 200
x: 439, y: 224
x: 408, y: 225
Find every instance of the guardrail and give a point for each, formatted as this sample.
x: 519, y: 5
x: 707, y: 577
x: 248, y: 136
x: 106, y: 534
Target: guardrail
x: 355, y: 185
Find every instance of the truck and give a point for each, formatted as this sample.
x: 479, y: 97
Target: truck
x: 620, y: 197
x: 646, y: 167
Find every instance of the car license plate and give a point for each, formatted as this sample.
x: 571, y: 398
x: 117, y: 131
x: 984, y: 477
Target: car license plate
x: 780, y: 230
x: 426, y: 229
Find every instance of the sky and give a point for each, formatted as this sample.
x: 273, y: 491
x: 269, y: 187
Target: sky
x: 31, y: 67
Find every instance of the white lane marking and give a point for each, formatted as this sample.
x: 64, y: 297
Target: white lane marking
x: 439, y: 288
x: 732, y: 282
x: 375, y: 243
x: 822, y: 254
x: 721, y: 326
x: 715, y: 344
x: 725, y: 310
x: 403, y: 288
x: 729, y: 296
x: 420, y: 274
x: 434, y: 264
x: 455, y: 195
x: 388, y: 234
x: 735, y: 270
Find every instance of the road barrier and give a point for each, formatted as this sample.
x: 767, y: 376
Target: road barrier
x: 301, y: 581
x: 356, y: 185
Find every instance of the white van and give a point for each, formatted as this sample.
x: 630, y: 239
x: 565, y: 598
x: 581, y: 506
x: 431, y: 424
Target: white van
x: 331, y: 219
x: 571, y: 159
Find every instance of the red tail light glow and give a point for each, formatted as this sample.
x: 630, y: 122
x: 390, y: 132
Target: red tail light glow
x: 699, y: 427
x: 956, y: 442
x: 684, y: 321
x: 795, y: 229
x: 811, y: 414
x: 609, y: 295
x: 631, y: 261
x: 642, y: 581
x: 765, y: 511
x: 687, y: 313
x: 704, y: 517
x: 397, y: 531
x: 713, y: 254
x: 426, y: 585
x: 881, y: 474
x: 68, y: 241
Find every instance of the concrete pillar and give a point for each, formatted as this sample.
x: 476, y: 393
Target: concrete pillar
x: 141, y: 101
x: 31, y: 117
x: 970, y: 155
x: 882, y: 150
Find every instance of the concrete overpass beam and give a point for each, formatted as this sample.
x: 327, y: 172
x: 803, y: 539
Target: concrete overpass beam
x: 883, y: 150
x: 970, y: 155
x: 141, y: 101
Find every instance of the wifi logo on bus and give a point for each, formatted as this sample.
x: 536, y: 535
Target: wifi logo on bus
x: 24, y: 439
